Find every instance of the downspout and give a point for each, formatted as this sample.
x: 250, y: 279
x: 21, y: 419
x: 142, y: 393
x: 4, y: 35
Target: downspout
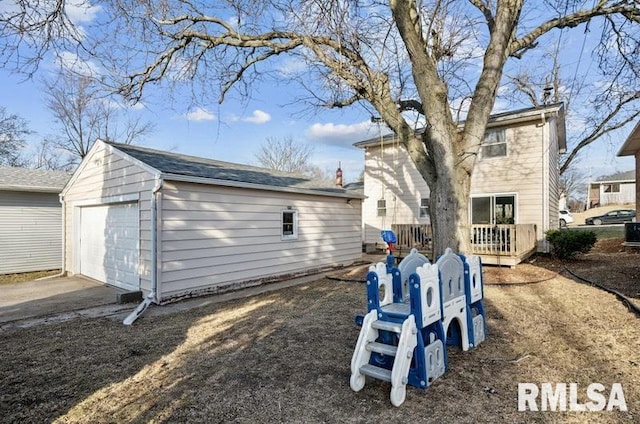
x: 546, y: 166
x: 64, y: 236
x: 152, y: 296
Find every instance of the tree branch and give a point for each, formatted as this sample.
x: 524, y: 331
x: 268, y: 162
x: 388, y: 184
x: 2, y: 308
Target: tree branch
x: 519, y: 46
x: 602, y: 128
x: 486, y: 11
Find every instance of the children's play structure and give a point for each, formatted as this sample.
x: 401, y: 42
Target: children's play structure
x: 414, y: 311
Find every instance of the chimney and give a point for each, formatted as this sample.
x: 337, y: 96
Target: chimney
x: 339, y: 176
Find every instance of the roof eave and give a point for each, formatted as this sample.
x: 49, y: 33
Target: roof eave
x: 499, y: 120
x: 632, y: 143
x: 240, y: 184
x: 32, y: 189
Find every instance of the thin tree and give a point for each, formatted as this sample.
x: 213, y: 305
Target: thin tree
x: 13, y: 130
x: 285, y: 155
x: 84, y: 114
x: 392, y: 58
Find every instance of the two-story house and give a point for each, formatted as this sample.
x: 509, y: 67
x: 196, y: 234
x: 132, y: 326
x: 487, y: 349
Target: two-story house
x: 514, y: 187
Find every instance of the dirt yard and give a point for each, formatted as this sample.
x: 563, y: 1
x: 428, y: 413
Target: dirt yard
x: 285, y: 356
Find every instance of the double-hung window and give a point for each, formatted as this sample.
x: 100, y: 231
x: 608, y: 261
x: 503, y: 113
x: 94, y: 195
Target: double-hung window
x: 289, y: 224
x: 382, y: 207
x: 494, y: 144
x: 424, y: 208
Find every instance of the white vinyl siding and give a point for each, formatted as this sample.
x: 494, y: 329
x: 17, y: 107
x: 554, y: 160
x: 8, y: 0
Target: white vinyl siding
x: 529, y: 171
x: 30, y: 232
x: 522, y: 172
x: 213, y: 236
x: 105, y: 178
x: 402, y: 185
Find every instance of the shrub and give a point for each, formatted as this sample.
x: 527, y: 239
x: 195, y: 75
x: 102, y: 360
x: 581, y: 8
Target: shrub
x: 568, y: 243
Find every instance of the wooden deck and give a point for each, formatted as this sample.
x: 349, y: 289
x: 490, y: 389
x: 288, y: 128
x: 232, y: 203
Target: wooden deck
x: 503, y: 245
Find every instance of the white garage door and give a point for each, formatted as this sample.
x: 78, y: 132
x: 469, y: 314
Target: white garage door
x: 109, y: 244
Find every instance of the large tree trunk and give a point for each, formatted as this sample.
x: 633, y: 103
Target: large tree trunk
x: 450, y: 212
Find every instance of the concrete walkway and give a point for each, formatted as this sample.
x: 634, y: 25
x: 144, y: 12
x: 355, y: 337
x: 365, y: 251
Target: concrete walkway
x: 50, y: 296
x: 24, y: 305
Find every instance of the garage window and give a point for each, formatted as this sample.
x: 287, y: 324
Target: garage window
x: 289, y: 224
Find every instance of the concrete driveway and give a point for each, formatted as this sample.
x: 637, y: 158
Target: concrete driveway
x: 52, y: 296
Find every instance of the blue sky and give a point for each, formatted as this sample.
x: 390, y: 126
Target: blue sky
x: 234, y: 130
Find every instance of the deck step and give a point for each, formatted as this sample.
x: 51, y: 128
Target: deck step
x: 387, y: 326
x: 376, y: 372
x: 385, y: 349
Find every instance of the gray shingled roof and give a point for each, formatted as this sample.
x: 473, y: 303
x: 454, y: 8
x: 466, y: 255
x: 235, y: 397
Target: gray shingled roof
x: 23, y: 179
x: 619, y: 176
x: 197, y: 167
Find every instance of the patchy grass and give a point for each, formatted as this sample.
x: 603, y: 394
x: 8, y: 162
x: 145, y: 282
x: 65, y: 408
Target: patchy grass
x: 26, y: 276
x: 607, y: 232
x: 285, y: 356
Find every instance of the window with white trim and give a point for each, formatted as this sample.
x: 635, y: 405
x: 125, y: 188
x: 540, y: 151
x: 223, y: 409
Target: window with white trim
x: 382, y: 207
x: 494, y: 143
x: 493, y: 209
x: 424, y: 208
x: 289, y: 224
x: 612, y: 188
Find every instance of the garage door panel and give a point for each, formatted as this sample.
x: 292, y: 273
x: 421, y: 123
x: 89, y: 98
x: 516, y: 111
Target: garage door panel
x: 109, y: 244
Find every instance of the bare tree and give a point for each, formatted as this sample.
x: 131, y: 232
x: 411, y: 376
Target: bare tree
x: 50, y: 158
x: 84, y: 114
x: 392, y: 58
x: 285, y: 155
x: 13, y: 130
x: 602, y: 104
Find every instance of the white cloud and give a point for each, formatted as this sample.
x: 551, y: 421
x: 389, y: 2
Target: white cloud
x: 72, y: 62
x: 199, y: 114
x: 341, y: 134
x: 291, y: 66
x: 258, y: 117
x: 81, y: 11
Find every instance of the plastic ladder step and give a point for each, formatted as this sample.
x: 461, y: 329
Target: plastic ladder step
x: 385, y: 349
x: 376, y: 372
x: 388, y: 326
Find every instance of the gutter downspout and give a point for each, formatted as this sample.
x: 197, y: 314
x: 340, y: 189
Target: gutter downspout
x: 546, y: 192
x: 64, y: 237
x: 152, y: 296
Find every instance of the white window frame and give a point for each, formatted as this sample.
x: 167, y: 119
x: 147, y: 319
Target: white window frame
x: 423, y: 210
x: 381, y: 211
x: 494, y: 137
x: 294, y: 234
x: 492, y: 197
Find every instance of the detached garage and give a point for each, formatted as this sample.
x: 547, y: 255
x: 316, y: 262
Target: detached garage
x: 30, y: 219
x: 176, y: 226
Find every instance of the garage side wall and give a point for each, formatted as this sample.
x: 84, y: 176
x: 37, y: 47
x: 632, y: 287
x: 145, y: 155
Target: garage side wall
x: 109, y: 179
x: 30, y: 231
x: 214, y: 237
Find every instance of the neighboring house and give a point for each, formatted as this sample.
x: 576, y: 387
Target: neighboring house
x: 514, y: 187
x: 613, y: 189
x: 181, y: 226
x: 631, y: 147
x: 30, y: 219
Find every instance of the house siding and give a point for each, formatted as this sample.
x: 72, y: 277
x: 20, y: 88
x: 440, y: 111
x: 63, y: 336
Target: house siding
x: 30, y: 231
x: 105, y: 178
x: 519, y: 172
x: 215, y: 236
x: 527, y: 171
x: 394, y: 176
